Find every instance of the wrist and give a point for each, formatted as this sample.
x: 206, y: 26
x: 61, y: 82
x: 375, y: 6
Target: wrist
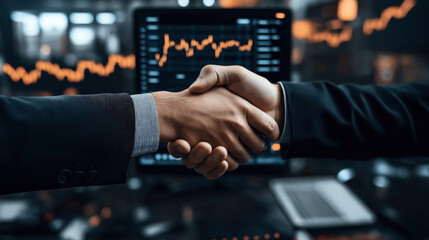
x: 164, y: 102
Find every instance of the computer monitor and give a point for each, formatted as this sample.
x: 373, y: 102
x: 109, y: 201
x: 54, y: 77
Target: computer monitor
x: 172, y: 45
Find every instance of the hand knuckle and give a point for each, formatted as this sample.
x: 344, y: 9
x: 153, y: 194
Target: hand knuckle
x: 237, y: 124
x: 208, y: 68
x: 238, y: 68
x: 240, y: 127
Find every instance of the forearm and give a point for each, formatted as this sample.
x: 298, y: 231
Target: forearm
x: 358, y: 122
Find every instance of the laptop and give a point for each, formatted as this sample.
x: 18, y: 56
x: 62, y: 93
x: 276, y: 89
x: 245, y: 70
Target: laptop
x: 320, y: 202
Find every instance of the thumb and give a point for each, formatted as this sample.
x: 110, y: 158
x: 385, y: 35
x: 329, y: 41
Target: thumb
x: 201, y: 85
x: 207, y: 79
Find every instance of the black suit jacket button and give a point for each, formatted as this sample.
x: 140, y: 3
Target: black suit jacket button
x: 64, y: 177
x: 79, y: 177
x: 92, y: 176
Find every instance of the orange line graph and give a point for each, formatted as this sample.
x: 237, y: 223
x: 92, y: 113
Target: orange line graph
x: 333, y: 39
x: 306, y: 30
x: 302, y: 29
x: 190, y: 48
x: 398, y: 12
x: 31, y: 77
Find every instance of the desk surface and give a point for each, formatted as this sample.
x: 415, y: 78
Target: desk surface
x: 234, y: 208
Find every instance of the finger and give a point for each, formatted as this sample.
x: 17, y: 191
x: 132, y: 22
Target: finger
x: 249, y: 85
x: 211, y: 75
x: 179, y: 148
x: 252, y: 140
x: 232, y: 163
x: 239, y: 152
x: 197, y: 155
x: 218, y: 171
x: 263, y: 122
x: 218, y: 155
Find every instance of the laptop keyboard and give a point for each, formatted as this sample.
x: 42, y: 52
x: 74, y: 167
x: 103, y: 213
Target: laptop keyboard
x: 310, y: 204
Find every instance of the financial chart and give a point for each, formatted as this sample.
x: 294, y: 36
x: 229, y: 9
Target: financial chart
x: 172, y: 46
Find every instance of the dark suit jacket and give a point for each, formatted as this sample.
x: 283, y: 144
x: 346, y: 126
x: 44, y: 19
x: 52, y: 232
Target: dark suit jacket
x: 54, y: 142
x: 356, y: 122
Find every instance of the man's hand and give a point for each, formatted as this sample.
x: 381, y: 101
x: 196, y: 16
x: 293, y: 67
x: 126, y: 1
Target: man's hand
x: 254, y: 88
x: 246, y: 84
x: 219, y: 118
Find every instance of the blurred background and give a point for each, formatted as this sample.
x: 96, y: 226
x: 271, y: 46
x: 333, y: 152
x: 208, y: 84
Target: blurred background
x: 346, y: 41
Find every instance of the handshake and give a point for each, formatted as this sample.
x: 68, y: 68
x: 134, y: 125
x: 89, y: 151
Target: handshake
x: 218, y: 121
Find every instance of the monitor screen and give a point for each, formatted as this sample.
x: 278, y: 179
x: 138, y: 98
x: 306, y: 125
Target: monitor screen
x: 172, y: 45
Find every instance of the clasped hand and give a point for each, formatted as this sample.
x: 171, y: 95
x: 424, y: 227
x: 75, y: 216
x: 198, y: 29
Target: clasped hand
x: 216, y: 123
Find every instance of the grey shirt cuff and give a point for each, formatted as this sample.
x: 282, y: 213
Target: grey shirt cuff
x: 146, y: 137
x: 284, y: 135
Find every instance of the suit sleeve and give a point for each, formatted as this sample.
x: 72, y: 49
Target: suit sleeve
x: 356, y: 122
x: 65, y: 141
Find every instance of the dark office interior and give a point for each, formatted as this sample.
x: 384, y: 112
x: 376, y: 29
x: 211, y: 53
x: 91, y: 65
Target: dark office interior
x: 59, y: 47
